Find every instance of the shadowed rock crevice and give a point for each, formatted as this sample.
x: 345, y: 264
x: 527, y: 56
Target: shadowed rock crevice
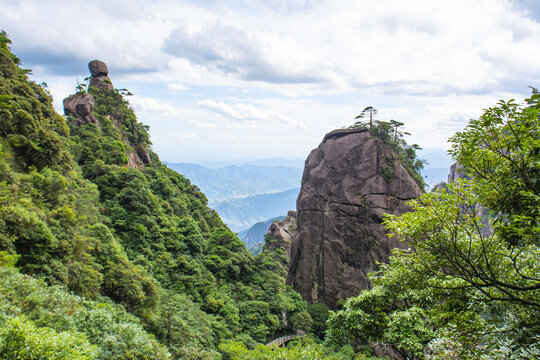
x: 340, y: 236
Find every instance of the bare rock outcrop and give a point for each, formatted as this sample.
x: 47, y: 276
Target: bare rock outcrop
x: 81, y: 106
x: 283, y: 231
x: 350, y: 181
x: 100, y: 78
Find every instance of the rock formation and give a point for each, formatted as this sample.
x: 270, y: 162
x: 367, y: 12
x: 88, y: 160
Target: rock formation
x: 349, y: 182
x: 456, y: 172
x: 100, y: 77
x: 284, y: 231
x: 81, y: 106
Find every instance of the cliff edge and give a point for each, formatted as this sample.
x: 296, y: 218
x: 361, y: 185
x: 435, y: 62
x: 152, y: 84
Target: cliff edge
x: 348, y: 183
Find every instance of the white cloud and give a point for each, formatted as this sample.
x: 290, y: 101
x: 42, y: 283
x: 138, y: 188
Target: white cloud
x: 223, y: 136
x: 251, y: 116
x: 177, y: 87
x: 186, y: 136
x: 251, y: 55
x: 202, y: 124
x: 285, y: 69
x: 154, y: 106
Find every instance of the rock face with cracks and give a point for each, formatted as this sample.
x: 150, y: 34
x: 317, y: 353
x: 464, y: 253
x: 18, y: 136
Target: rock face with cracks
x: 349, y: 182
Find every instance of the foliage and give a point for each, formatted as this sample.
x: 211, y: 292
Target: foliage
x: 40, y: 317
x: 238, y: 351
x: 388, y: 133
x: 319, y: 314
x: 500, y: 151
x: 368, y: 110
x: 470, y: 288
x: 20, y: 339
x: 184, y: 328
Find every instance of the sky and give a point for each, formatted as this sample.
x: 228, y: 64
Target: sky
x: 238, y: 80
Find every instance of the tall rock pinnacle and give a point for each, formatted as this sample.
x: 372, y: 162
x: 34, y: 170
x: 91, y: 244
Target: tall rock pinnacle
x: 349, y: 182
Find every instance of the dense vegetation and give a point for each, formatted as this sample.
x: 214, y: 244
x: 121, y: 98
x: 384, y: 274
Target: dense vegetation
x: 470, y: 288
x: 388, y: 132
x: 132, y: 241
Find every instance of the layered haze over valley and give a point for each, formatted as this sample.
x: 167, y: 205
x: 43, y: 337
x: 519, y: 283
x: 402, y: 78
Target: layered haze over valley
x: 246, y: 194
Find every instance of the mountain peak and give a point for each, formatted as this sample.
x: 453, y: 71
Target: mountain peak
x: 350, y: 181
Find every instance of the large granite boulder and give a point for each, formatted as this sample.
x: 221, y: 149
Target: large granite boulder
x: 81, y: 106
x: 100, y: 78
x: 350, y: 181
x: 98, y: 68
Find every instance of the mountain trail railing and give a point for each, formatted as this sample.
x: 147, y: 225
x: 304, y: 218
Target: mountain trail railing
x: 280, y: 341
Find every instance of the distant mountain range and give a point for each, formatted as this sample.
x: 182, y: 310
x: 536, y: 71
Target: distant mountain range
x: 240, y: 181
x: 255, y: 234
x: 257, y: 191
x: 295, y: 163
x: 437, y: 167
x: 246, y: 194
x: 434, y: 176
x: 241, y: 214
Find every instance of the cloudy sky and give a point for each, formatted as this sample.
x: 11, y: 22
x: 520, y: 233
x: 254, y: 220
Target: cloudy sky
x: 248, y: 79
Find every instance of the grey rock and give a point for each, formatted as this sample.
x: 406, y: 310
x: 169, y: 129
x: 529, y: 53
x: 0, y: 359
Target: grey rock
x: 383, y: 351
x: 102, y: 82
x: 456, y: 172
x: 98, y: 68
x: 283, y: 231
x: 340, y: 236
x: 80, y: 105
x: 99, y: 78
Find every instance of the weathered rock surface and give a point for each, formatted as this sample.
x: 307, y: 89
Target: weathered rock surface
x: 340, y: 235
x: 456, y: 172
x: 80, y: 105
x: 284, y: 231
x: 100, y: 78
x: 98, y: 68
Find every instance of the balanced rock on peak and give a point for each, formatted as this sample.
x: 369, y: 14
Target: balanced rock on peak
x: 100, y: 78
x: 98, y: 68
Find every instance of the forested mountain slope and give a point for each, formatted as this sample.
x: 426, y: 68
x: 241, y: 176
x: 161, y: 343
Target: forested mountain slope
x: 87, y: 206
